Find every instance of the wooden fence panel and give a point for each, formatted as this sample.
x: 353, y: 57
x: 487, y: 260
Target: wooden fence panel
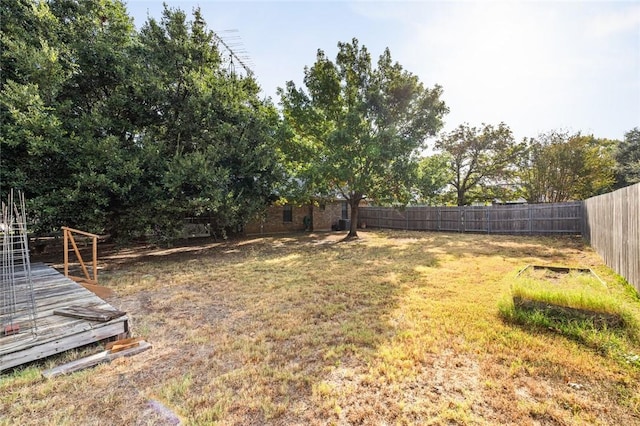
x: 510, y: 219
x: 450, y: 219
x: 561, y: 218
x: 612, y: 227
x: 430, y: 218
x: 558, y: 218
x: 415, y: 219
x: 380, y: 217
x: 474, y: 219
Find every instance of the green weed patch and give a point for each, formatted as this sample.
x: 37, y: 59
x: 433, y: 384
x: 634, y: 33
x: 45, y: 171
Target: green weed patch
x: 576, y: 303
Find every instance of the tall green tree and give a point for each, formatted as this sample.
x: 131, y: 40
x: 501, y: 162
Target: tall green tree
x: 562, y: 167
x: 359, y: 126
x: 65, y: 63
x: 208, y: 140
x: 109, y: 129
x: 481, y: 161
x: 433, y: 179
x: 627, y: 156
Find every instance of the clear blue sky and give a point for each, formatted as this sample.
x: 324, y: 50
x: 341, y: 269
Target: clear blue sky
x: 537, y: 66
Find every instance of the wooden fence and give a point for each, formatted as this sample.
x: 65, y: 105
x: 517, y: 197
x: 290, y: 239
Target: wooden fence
x: 538, y: 219
x: 612, y: 227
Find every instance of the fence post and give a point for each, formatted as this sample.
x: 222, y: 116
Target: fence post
x: 530, y: 209
x: 488, y: 220
x: 581, y: 215
x: 438, y: 216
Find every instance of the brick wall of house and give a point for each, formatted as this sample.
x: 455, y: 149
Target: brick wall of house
x: 324, y: 218
x: 272, y: 222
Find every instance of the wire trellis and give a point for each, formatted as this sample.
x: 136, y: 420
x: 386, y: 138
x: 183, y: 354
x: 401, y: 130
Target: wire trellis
x: 17, y: 299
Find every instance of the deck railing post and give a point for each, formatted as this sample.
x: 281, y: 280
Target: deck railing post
x: 95, y: 259
x: 66, y: 251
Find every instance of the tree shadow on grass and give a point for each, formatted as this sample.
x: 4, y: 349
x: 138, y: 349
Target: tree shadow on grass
x: 296, y: 308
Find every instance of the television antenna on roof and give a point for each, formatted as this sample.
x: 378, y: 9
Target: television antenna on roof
x: 235, y: 51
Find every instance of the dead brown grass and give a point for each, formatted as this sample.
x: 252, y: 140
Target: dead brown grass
x: 393, y: 328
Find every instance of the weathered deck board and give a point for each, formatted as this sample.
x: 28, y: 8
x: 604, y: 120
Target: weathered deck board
x: 91, y: 314
x: 56, y: 333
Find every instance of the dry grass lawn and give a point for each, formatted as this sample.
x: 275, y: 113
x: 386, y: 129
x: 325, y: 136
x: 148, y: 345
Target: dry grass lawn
x: 393, y: 328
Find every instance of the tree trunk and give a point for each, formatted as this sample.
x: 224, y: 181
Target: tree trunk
x: 353, y: 229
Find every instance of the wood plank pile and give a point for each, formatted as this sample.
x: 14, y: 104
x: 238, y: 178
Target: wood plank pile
x: 113, y: 350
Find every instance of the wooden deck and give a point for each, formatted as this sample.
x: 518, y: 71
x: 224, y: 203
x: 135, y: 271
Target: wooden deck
x: 55, y: 333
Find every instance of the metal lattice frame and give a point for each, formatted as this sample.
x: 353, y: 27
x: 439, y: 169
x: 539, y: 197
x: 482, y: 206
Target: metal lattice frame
x: 17, y: 301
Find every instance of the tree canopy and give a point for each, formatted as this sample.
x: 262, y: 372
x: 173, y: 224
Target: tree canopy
x: 110, y: 129
x: 357, y: 127
x: 561, y: 167
x: 433, y: 178
x: 480, y: 161
x: 627, y: 156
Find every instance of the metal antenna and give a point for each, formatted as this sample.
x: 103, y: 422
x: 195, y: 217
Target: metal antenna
x: 233, y: 45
